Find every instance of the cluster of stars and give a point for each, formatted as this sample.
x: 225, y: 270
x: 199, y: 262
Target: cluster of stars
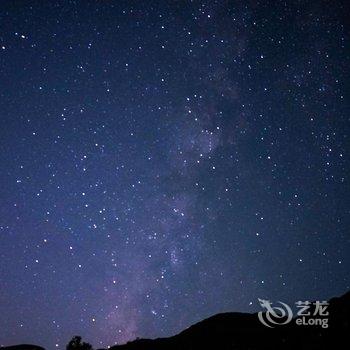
x: 165, y: 162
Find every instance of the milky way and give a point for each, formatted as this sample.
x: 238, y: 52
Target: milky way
x: 168, y: 160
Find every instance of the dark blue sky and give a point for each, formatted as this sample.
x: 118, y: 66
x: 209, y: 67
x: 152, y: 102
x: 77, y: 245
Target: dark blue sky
x: 168, y: 160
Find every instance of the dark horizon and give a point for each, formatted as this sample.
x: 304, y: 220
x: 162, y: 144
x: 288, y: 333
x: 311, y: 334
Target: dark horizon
x: 166, y: 161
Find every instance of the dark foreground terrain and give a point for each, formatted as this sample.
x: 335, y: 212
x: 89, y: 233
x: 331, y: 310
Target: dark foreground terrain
x: 245, y: 332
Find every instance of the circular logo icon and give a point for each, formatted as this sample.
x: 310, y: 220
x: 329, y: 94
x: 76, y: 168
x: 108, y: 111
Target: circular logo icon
x: 274, y: 316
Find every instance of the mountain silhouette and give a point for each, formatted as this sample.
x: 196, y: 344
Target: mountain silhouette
x: 243, y: 331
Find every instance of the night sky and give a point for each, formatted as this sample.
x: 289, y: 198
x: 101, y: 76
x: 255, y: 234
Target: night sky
x: 163, y: 161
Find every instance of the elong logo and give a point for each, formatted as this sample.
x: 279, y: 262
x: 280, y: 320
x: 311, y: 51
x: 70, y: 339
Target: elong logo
x: 274, y: 315
x: 283, y: 314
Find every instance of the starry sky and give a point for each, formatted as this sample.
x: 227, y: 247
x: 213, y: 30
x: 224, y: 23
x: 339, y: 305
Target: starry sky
x: 163, y: 161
